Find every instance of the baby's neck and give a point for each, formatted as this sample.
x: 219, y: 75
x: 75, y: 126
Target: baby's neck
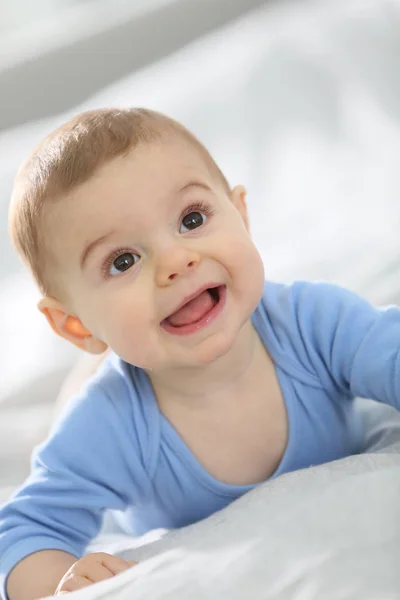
x: 218, y: 382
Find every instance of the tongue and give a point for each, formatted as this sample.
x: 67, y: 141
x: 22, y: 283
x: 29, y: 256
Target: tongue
x: 192, y: 311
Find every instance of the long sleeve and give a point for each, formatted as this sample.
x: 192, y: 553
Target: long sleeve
x: 92, y: 461
x: 348, y: 342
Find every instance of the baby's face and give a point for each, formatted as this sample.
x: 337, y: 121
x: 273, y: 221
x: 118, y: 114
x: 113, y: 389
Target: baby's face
x: 143, y: 237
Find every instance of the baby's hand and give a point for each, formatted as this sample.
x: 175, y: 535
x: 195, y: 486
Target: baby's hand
x: 91, y: 569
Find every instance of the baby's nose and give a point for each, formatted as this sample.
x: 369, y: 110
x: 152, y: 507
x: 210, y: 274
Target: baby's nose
x: 175, y: 263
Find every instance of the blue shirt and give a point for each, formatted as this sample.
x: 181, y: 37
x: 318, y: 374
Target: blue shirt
x: 114, y: 449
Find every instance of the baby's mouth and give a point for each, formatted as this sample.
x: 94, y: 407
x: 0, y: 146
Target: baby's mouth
x: 196, y: 309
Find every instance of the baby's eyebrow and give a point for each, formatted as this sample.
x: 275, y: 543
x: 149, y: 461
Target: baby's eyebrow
x: 92, y: 245
x: 197, y: 184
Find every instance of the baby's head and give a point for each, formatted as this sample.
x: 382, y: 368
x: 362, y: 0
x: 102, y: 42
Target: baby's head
x: 122, y: 216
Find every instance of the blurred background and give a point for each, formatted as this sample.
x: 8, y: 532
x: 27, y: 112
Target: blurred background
x: 299, y: 100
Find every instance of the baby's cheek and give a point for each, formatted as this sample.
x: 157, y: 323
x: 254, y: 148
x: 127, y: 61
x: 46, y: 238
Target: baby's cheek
x: 250, y: 274
x: 132, y: 340
x: 244, y: 256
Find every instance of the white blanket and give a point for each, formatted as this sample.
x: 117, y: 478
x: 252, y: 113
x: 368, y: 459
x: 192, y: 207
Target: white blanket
x: 329, y: 532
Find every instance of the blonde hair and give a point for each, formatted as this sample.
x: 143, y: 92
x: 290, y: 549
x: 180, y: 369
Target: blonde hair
x: 68, y: 157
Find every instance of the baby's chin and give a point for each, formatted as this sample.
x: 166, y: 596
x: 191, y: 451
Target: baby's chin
x: 180, y: 358
x: 211, y: 350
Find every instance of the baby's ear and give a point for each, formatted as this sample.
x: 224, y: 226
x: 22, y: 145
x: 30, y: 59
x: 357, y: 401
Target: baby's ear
x: 69, y: 327
x: 238, y: 196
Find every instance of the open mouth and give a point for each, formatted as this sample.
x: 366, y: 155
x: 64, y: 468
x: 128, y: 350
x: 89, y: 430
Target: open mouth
x: 197, y: 312
x: 214, y: 293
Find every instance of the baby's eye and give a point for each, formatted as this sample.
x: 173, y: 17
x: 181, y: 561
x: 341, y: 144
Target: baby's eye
x: 192, y: 220
x: 123, y: 262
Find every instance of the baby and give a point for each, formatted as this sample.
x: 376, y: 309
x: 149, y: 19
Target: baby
x: 216, y: 381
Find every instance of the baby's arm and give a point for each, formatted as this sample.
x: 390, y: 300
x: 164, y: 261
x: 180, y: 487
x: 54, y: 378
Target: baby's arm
x: 38, y: 575
x: 350, y: 343
x: 91, y: 462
